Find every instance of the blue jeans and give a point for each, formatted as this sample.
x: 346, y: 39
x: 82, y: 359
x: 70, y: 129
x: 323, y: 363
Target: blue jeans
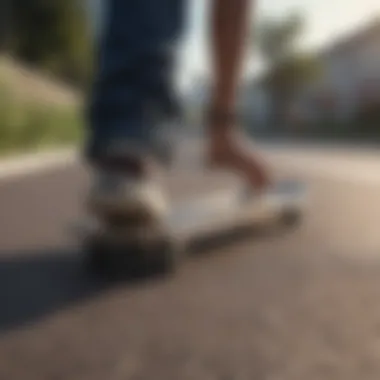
x: 133, y: 89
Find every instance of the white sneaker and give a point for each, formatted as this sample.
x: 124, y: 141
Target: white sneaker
x: 122, y: 195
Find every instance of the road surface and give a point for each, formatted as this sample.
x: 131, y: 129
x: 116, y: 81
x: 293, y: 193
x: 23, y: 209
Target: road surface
x: 301, y: 305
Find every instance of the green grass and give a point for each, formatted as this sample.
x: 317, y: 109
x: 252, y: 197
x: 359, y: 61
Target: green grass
x: 28, y: 125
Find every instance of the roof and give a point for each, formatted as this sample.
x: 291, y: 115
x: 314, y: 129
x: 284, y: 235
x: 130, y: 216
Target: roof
x: 352, y: 40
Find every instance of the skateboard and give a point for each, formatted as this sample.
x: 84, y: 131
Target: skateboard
x: 117, y: 248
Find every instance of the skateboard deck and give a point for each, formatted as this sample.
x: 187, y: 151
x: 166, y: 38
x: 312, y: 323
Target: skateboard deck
x: 195, y: 220
x: 226, y: 209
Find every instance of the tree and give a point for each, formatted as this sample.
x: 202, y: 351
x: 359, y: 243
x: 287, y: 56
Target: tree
x: 277, y: 39
x: 288, y: 69
x: 5, y: 24
x: 53, y: 36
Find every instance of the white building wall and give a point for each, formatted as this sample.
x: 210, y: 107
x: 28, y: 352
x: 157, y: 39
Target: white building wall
x: 346, y: 72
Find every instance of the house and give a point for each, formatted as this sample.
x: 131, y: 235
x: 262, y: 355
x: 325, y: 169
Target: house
x: 349, y: 80
x: 350, y: 77
x: 254, y: 104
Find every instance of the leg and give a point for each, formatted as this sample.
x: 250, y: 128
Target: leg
x: 133, y: 86
x: 226, y: 147
x: 132, y: 95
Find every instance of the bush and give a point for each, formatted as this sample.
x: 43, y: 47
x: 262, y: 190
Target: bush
x: 26, y: 125
x: 369, y: 117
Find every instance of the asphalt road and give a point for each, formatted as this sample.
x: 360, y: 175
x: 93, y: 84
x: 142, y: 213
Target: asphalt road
x: 299, y: 305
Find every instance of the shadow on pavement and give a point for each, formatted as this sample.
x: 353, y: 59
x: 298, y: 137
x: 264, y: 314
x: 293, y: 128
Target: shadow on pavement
x: 33, y: 284
x: 36, y: 283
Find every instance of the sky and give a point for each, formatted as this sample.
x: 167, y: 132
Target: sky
x: 326, y: 20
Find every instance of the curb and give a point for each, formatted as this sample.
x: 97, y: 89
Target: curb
x: 28, y: 164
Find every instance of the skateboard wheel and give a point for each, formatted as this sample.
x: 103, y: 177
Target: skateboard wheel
x: 291, y: 217
x: 131, y: 258
x: 165, y: 256
x: 96, y: 256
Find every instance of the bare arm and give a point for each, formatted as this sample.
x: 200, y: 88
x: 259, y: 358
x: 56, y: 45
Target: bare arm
x: 229, y: 26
